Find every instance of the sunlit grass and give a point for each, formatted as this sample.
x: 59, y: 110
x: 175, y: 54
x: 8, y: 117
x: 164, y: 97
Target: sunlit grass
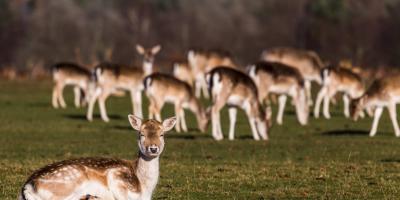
x: 328, y: 159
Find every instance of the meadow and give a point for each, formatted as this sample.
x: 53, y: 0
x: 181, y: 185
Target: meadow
x: 327, y: 159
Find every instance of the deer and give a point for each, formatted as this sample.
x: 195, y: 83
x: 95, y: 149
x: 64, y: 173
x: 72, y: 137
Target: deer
x: 67, y: 73
x: 334, y: 80
x: 112, y: 77
x: 284, y: 81
x: 382, y: 93
x: 104, y: 178
x: 307, y: 62
x: 234, y: 88
x: 183, y: 72
x: 202, y: 62
x: 148, y: 57
x: 163, y: 88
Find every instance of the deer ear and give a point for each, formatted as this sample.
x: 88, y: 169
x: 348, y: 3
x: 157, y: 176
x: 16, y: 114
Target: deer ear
x: 140, y: 49
x: 136, y: 122
x: 169, y: 123
x: 156, y: 49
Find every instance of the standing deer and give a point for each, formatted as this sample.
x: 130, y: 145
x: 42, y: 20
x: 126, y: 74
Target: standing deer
x: 162, y: 88
x: 382, y: 93
x: 148, y: 57
x: 183, y: 72
x: 235, y: 89
x: 104, y: 178
x: 307, y: 62
x: 69, y: 74
x: 336, y: 80
x: 280, y: 79
x: 112, y: 77
x: 203, y: 62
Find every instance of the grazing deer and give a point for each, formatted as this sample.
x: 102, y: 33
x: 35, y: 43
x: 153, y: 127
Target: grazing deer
x: 307, y: 62
x: 203, y: 62
x: 104, y: 178
x: 336, y: 80
x: 382, y: 93
x: 162, y: 88
x: 280, y: 79
x: 148, y: 57
x: 69, y: 74
x: 183, y: 72
x: 112, y: 77
x: 235, y: 89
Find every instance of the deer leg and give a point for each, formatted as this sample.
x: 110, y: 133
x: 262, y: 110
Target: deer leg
x: 54, y: 99
x: 204, y: 87
x: 393, y: 117
x: 178, y: 118
x: 377, y: 116
x: 183, y: 120
x: 330, y: 93
x: 282, y: 102
x: 307, y: 85
x: 60, y: 89
x: 77, y: 96
x: 318, y: 102
x: 102, y: 105
x: 232, y: 121
x: 346, y: 105
x: 215, y: 120
x: 138, y: 99
x: 92, y: 101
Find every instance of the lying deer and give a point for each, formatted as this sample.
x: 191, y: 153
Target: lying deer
x: 203, y: 62
x: 235, y: 89
x: 69, y: 74
x: 162, y: 88
x: 307, y: 62
x: 104, y: 178
x: 382, y: 93
x: 336, y: 80
x: 112, y: 77
x: 280, y: 79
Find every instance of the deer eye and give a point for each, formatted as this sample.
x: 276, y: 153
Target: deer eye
x: 141, y: 135
x: 162, y: 135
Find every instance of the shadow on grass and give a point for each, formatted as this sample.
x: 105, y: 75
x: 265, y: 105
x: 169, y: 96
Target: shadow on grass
x: 83, y: 116
x: 391, y: 160
x: 40, y: 104
x: 345, y: 132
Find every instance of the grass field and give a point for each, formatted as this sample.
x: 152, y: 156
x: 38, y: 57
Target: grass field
x: 328, y: 159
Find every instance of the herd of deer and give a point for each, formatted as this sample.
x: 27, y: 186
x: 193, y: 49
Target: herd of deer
x: 281, y: 72
x: 213, y: 74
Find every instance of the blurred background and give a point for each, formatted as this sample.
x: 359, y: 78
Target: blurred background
x: 37, y: 33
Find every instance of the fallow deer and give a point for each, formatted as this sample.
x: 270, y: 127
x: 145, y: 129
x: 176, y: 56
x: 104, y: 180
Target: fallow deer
x: 163, y: 88
x: 280, y: 79
x: 307, y: 62
x: 69, y: 74
x: 112, y: 77
x: 148, y: 57
x: 234, y: 88
x: 334, y: 80
x: 203, y: 62
x: 104, y: 178
x: 382, y: 93
x: 183, y: 72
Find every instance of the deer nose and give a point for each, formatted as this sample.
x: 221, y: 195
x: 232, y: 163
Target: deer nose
x: 153, y: 149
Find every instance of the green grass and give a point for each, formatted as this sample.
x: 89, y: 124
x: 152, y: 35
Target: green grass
x: 328, y: 159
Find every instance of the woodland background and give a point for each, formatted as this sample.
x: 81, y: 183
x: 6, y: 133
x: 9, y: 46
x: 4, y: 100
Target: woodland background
x: 38, y: 33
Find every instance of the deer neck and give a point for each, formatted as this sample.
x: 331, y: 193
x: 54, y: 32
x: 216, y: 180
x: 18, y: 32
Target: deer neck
x: 147, y: 172
x: 147, y: 67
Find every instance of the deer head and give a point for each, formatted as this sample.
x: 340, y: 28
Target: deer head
x: 151, y: 134
x: 148, y: 57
